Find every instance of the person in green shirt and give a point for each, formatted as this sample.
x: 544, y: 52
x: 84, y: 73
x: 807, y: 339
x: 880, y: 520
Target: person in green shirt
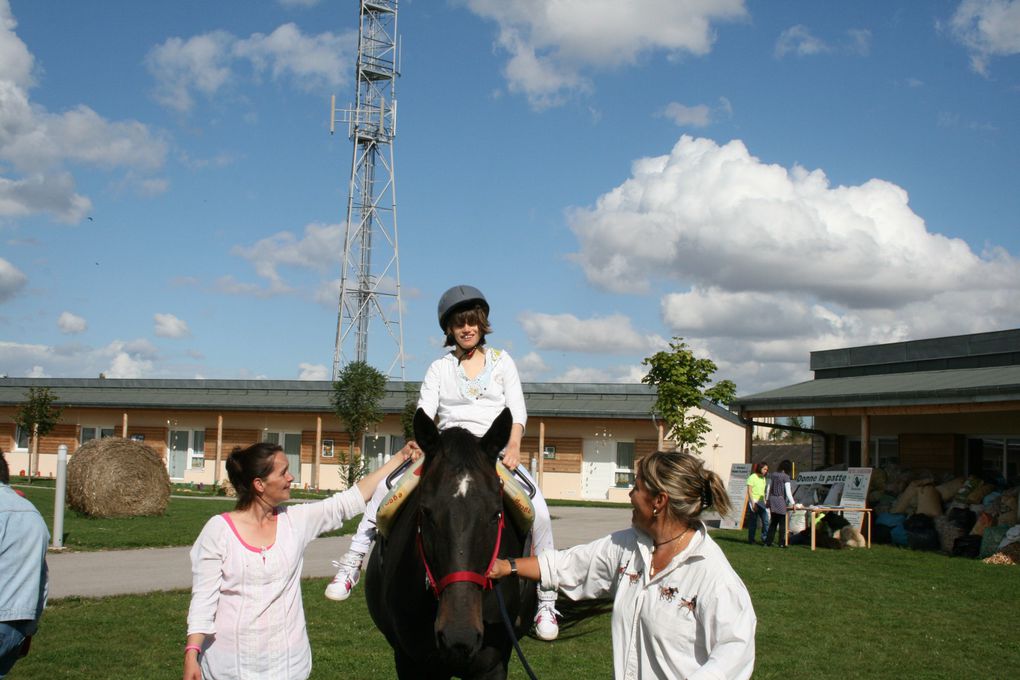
x: 757, y: 511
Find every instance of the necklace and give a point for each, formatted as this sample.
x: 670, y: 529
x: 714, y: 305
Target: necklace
x: 656, y: 546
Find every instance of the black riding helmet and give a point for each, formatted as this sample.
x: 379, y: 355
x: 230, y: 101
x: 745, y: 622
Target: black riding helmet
x: 458, y: 298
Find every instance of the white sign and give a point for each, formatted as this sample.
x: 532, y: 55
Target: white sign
x: 736, y: 489
x: 850, y: 485
x: 855, y: 494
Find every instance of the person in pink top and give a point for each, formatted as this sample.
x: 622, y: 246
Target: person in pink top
x: 246, y: 618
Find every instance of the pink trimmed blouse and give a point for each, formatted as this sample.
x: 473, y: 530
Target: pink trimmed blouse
x: 247, y: 599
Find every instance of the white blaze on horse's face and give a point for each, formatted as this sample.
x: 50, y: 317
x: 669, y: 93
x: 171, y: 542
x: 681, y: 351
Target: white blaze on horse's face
x: 462, y: 486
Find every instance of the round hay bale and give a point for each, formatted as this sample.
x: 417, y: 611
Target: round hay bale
x: 226, y: 489
x: 116, y: 477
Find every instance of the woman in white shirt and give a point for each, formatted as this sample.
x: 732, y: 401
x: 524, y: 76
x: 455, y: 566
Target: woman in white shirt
x: 246, y: 619
x: 679, y: 609
x: 467, y: 387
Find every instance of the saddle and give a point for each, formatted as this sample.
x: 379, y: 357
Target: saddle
x: 516, y: 502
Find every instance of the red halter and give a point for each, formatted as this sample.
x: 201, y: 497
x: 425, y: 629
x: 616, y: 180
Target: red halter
x: 459, y: 576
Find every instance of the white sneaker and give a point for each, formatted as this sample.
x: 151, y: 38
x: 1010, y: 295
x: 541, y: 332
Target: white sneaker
x: 347, y: 576
x: 546, y: 626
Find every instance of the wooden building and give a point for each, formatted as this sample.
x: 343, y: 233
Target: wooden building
x: 589, y: 435
x: 949, y: 405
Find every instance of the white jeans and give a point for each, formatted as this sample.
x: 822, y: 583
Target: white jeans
x: 541, y: 530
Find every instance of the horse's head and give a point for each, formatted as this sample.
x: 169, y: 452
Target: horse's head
x: 460, y: 523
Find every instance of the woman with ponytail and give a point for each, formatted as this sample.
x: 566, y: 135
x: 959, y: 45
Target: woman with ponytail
x: 246, y: 618
x: 679, y: 609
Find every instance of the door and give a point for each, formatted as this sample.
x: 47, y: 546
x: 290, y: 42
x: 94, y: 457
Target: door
x: 292, y: 447
x: 290, y: 442
x: 598, y: 468
x: 178, y: 456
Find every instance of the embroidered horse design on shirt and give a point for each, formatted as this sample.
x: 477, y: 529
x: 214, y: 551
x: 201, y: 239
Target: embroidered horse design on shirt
x: 633, y: 576
x: 667, y: 594
x: 690, y: 604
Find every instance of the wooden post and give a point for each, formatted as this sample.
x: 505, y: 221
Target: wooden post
x: 33, y: 453
x: 662, y: 436
x: 541, y: 453
x: 124, y: 425
x: 865, y: 441
x: 219, y: 449
x: 748, y: 442
x: 317, y: 454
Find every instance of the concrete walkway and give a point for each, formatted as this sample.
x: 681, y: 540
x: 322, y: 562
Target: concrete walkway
x: 119, y: 572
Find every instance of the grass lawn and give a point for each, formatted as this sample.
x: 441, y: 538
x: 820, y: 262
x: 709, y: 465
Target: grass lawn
x: 885, y: 612
x: 182, y: 522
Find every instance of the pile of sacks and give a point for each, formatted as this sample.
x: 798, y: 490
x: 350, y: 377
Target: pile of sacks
x: 967, y: 517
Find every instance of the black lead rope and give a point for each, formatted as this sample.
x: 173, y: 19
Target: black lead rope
x: 510, y: 632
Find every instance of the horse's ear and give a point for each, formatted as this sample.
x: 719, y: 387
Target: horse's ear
x: 498, y: 435
x: 425, y: 432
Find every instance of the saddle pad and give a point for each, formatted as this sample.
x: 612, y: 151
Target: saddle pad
x: 391, y: 502
x: 515, y: 499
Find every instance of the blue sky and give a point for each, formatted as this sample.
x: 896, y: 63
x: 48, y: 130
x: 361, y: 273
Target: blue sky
x: 761, y: 178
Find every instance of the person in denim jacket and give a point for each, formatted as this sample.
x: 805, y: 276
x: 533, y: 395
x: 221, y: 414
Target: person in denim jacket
x: 23, y: 587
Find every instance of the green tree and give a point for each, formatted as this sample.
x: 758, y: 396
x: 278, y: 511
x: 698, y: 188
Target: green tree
x: 37, y: 416
x: 357, y: 397
x: 411, y: 390
x: 682, y: 380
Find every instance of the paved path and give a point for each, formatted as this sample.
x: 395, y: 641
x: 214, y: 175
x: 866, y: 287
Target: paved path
x: 117, y: 572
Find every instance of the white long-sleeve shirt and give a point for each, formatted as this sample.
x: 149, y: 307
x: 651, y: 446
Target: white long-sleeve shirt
x: 442, y: 394
x: 692, y: 620
x: 247, y: 599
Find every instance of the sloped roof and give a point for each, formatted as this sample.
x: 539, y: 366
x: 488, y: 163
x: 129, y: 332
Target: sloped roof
x: 583, y: 400
x: 973, y: 385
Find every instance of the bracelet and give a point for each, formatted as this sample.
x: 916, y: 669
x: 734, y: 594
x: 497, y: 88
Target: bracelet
x: 513, y: 566
x: 188, y: 648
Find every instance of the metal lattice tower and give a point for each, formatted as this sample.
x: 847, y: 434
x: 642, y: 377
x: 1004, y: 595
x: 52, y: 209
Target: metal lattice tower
x: 371, y: 233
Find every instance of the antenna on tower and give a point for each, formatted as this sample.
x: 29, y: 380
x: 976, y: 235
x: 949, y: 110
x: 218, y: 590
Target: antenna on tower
x: 370, y: 238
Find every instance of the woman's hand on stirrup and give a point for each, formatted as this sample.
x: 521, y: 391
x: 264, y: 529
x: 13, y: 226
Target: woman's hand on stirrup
x: 411, y: 451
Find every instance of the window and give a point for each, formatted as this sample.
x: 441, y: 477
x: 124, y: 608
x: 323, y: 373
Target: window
x: 549, y: 453
x: 995, y: 457
x: 624, y: 464
x: 327, y: 448
x: 397, y: 442
x: 373, y: 450
x: 198, y: 449
x: 22, y: 438
x: 90, y: 432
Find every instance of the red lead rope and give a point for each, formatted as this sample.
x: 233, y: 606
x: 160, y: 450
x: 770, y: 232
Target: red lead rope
x: 459, y: 576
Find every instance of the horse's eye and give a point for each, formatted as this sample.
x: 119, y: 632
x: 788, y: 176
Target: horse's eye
x: 495, y: 517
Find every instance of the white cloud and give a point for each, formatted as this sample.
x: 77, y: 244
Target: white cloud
x: 169, y: 326
x: 71, y: 324
x: 180, y: 66
x: 313, y: 372
x: 987, y: 28
x: 37, y: 372
x: 207, y: 63
x: 318, y: 250
x: 688, y: 116
x: 134, y: 358
x: 12, y: 280
x: 531, y: 366
x: 601, y: 335
x: 612, y: 374
x: 37, y: 144
x: 126, y: 366
x: 551, y: 44
x: 298, y: 3
x: 763, y: 263
x: 800, y: 41
x: 306, y: 61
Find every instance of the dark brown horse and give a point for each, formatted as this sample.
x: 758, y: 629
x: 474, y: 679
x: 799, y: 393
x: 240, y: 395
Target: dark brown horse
x: 425, y: 583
